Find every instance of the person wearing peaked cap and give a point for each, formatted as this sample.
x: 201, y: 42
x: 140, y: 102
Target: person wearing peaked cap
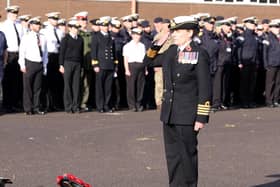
x: 104, y: 64
x: 105, y: 21
x: 82, y: 15
x: 125, y: 31
x: 25, y: 17
x: 61, y: 25
x: 272, y: 65
x: 70, y: 61
x: 53, y: 91
x: 251, y: 20
x: 209, y: 42
x: 13, y: 9
x: 24, y: 22
x: 134, y: 18
x: 95, y: 25
x: 225, y: 64
x: 53, y: 15
x: 133, y: 53
x: 119, y: 82
x: 182, y: 95
x: 248, y: 59
x: 86, y: 68
x: 12, y: 80
x: 33, y: 59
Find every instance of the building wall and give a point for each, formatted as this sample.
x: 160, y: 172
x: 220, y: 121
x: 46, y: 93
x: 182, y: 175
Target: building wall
x: 146, y: 10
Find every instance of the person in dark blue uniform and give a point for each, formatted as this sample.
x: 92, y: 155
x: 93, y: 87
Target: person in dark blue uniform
x: 70, y: 60
x: 247, y: 62
x: 186, y: 98
x: 272, y: 65
x: 209, y: 41
x: 221, y: 84
x: 119, y: 83
x: 104, y: 63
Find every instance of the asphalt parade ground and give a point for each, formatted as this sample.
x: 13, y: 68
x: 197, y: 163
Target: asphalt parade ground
x: 239, y: 148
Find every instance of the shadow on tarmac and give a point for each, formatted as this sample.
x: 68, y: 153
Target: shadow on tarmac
x: 271, y: 184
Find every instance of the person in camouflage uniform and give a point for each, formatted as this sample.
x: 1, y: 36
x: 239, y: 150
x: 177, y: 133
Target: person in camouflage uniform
x: 86, y: 70
x: 158, y: 70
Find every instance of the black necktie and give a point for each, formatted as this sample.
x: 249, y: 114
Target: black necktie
x: 39, y: 45
x: 55, y: 33
x: 18, y: 39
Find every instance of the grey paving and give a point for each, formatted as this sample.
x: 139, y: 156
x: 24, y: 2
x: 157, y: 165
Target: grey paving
x: 239, y: 148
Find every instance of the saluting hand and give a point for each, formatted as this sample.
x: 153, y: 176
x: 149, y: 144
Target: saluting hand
x: 198, y: 126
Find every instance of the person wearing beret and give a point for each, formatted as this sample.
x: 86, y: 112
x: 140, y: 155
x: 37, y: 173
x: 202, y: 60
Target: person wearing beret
x: 186, y: 98
x: 12, y: 80
x: 70, y: 60
x: 33, y: 60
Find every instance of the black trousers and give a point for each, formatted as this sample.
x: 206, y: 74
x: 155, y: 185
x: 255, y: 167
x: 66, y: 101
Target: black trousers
x: 272, y: 89
x: 72, y: 75
x: 135, y: 85
x: 54, y: 83
x: 12, y: 82
x: 247, y: 84
x: 221, y: 85
x: 181, y: 155
x: 103, y: 83
x: 32, y: 84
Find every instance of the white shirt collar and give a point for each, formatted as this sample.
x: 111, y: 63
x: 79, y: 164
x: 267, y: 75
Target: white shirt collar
x: 182, y: 47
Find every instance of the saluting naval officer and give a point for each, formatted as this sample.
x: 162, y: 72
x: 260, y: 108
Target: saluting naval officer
x: 104, y: 63
x: 33, y: 59
x: 12, y: 80
x: 186, y: 99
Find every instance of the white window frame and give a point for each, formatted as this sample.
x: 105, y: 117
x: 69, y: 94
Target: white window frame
x: 222, y: 2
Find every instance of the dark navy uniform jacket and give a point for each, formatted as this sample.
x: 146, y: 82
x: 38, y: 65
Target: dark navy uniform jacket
x: 187, y: 93
x: 209, y: 41
x: 248, y: 49
x: 125, y: 35
x: 103, y: 51
x: 225, y: 50
x: 3, y: 44
x: 271, y: 53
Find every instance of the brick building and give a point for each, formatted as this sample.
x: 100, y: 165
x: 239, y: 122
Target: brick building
x: 149, y: 8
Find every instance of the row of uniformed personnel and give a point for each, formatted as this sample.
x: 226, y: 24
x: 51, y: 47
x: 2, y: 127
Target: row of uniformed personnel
x: 243, y: 61
x: 234, y: 53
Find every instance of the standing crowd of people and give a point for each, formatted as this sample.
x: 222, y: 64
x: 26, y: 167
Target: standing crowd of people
x: 73, y: 66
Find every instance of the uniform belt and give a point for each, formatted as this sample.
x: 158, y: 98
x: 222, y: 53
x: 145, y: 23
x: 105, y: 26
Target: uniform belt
x: 26, y: 60
x: 13, y: 53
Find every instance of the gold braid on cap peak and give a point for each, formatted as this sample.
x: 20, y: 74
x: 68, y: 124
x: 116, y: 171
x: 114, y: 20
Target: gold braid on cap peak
x: 203, y: 109
x: 94, y: 62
